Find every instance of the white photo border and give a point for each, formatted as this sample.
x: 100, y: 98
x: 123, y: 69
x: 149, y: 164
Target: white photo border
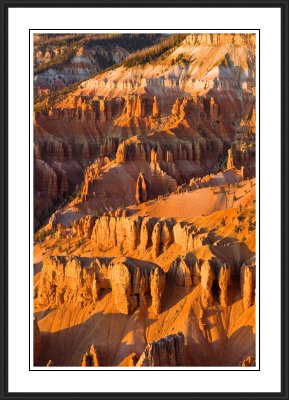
x: 14, y: 127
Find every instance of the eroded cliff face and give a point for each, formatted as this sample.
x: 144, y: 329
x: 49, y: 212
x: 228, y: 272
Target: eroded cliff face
x: 137, y: 290
x: 230, y: 59
x: 144, y: 233
x: 191, y: 105
x: 78, y: 281
x: 209, y: 271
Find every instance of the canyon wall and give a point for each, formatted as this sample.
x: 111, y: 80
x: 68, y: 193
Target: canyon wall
x: 79, y: 280
x: 140, y: 232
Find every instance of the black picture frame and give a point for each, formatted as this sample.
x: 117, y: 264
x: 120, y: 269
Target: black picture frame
x: 5, y: 5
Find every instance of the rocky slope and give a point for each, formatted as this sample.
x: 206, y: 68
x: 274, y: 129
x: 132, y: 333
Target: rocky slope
x: 64, y: 59
x: 205, y: 266
x: 212, y: 333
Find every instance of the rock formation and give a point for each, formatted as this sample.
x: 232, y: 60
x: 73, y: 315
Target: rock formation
x: 157, y: 286
x: 207, y: 278
x: 156, y: 239
x: 63, y: 280
x: 248, y: 362
x: 230, y: 162
x: 50, y: 363
x: 141, y: 194
x: 156, y: 109
x: 90, y: 358
x: 73, y: 280
x: 224, y: 280
x: 130, y: 282
x: 130, y: 233
x: 247, y: 284
x: 166, y: 352
x: 184, y: 272
x: 83, y: 227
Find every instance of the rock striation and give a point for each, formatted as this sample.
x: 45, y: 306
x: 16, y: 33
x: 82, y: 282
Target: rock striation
x: 207, y: 278
x: 224, y: 281
x: 83, y: 227
x: 188, y: 271
x: 131, y: 281
x: 143, y: 233
x: 76, y: 280
x: 166, y: 352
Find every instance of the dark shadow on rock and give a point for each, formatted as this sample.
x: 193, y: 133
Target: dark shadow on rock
x: 42, y: 314
x: 240, y: 345
x: 37, y: 268
x: 174, y: 294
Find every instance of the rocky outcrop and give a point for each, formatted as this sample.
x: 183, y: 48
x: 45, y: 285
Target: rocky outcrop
x: 65, y: 280
x: 146, y: 230
x: 230, y: 161
x: 92, y: 172
x: 156, y: 108
x: 185, y: 271
x: 188, y: 237
x: 147, y: 234
x: 219, y: 39
x: 90, y: 358
x: 162, y: 153
x: 131, y: 281
x: 76, y: 280
x: 228, y: 176
x: 72, y: 280
x: 248, y: 362
x: 141, y: 194
x: 83, y: 227
x: 157, y: 288
x: 156, y: 240
x: 113, y: 231
x: 176, y: 108
x: 166, y: 352
x: 207, y: 278
x: 224, y: 281
x: 247, y: 284
x: 242, y: 156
